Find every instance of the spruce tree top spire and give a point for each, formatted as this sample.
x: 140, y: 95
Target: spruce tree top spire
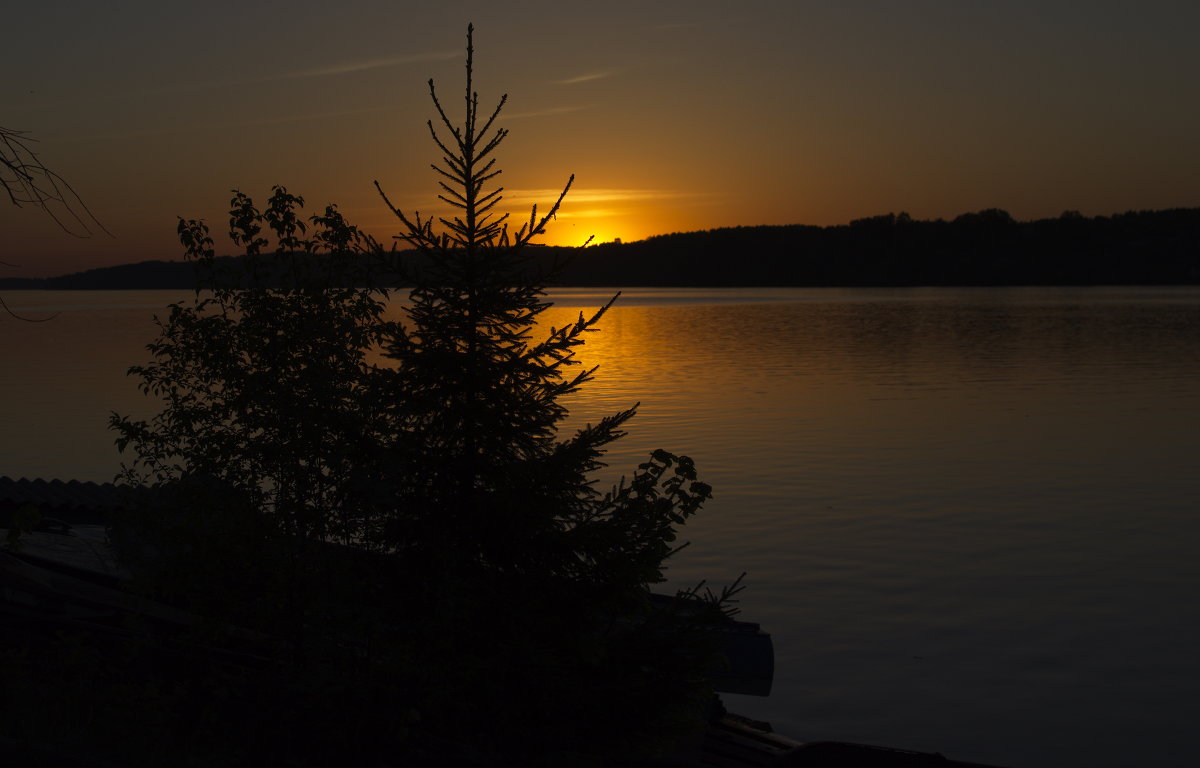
x: 467, y: 164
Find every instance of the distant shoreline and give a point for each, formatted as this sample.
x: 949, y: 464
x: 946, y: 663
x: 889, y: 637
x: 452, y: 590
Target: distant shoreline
x: 987, y: 248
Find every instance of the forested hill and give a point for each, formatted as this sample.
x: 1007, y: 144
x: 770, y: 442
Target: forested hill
x: 984, y: 248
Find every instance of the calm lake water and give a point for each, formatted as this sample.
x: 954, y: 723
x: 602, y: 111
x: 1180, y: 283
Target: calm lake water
x: 968, y: 516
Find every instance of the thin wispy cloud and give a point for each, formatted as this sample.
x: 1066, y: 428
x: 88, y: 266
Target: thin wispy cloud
x: 307, y: 116
x: 363, y: 65
x: 590, y: 76
x: 590, y: 213
x: 194, y: 127
x: 593, y: 195
x: 547, y: 111
x: 579, y: 203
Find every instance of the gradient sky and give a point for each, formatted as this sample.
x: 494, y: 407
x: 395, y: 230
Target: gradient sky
x: 673, y: 116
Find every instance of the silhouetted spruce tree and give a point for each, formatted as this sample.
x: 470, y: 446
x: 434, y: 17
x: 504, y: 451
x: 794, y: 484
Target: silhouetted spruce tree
x: 540, y: 581
x: 477, y: 461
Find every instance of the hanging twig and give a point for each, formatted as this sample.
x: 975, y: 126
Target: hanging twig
x: 27, y: 181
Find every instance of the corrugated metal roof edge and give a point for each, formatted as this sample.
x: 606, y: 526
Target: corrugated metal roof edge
x: 60, y: 494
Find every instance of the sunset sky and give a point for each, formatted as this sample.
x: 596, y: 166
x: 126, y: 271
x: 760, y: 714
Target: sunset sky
x: 673, y: 116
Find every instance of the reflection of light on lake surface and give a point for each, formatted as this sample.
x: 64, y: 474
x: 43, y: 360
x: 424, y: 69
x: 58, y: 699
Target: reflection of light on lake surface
x: 968, y: 516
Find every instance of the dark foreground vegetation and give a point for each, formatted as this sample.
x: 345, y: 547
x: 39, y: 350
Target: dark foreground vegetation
x: 392, y: 560
x: 984, y: 248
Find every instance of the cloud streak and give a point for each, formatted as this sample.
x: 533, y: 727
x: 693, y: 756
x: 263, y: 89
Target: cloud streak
x: 547, y: 111
x: 590, y: 76
x: 306, y: 116
x: 590, y: 213
x: 579, y: 202
x: 364, y: 65
x: 193, y: 127
x: 600, y: 195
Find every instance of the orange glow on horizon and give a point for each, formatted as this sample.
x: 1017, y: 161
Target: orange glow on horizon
x: 604, y: 215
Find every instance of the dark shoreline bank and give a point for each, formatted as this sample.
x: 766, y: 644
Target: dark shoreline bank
x: 988, y: 248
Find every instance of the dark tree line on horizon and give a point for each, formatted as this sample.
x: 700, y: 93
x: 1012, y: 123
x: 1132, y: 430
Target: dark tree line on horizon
x: 984, y: 248
x: 987, y: 247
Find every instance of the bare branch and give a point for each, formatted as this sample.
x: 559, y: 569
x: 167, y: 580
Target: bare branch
x: 456, y: 179
x: 27, y: 181
x: 449, y: 153
x: 9, y: 311
x: 539, y: 228
x: 453, y: 193
x: 446, y: 120
x: 490, y: 120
